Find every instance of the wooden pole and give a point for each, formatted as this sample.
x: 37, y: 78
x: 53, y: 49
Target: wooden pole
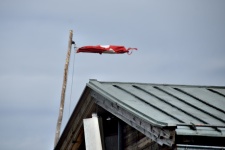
x: 57, y: 134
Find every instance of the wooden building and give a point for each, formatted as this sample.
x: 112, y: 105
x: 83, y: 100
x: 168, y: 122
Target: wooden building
x: 143, y: 116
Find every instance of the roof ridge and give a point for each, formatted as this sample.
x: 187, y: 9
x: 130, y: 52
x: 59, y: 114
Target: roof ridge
x: 159, y: 84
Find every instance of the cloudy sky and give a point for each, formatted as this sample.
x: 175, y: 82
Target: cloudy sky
x: 179, y: 42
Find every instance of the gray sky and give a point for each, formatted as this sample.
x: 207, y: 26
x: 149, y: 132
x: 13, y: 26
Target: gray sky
x: 179, y: 42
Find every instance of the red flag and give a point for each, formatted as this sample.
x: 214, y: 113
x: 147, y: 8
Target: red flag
x: 112, y: 49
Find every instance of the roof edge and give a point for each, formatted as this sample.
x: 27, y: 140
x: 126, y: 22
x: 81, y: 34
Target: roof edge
x: 164, y: 84
x: 152, y: 121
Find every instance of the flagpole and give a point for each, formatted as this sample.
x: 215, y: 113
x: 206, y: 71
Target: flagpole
x: 61, y: 108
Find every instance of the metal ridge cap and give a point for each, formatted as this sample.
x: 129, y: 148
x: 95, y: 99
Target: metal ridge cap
x: 159, y: 84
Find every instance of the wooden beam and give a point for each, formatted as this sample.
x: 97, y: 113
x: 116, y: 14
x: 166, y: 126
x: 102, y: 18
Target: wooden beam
x: 78, y: 142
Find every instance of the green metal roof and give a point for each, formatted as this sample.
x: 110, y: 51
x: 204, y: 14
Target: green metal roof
x: 162, y: 105
x: 167, y: 104
x: 167, y: 114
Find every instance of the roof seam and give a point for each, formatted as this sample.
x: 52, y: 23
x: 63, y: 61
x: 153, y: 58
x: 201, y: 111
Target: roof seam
x: 169, y: 103
x: 216, y: 92
x: 199, y: 99
x: 148, y: 103
x: 191, y: 104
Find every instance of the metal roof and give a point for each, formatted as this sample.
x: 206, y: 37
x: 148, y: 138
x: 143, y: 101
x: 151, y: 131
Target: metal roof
x: 167, y: 114
x: 162, y: 105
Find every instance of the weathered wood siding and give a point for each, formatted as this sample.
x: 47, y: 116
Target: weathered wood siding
x: 135, y: 140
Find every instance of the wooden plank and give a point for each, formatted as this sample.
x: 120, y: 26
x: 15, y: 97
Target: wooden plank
x: 140, y: 144
x: 78, y: 125
x: 78, y: 142
x: 77, y: 122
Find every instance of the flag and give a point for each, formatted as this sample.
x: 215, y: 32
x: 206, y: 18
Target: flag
x: 111, y: 49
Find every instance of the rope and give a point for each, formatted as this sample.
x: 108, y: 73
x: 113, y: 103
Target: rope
x: 71, y: 89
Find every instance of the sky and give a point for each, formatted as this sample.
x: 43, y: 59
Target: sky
x: 179, y: 42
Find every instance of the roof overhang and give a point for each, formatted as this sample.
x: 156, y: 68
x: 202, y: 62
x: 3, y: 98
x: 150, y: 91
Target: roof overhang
x: 159, y: 134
